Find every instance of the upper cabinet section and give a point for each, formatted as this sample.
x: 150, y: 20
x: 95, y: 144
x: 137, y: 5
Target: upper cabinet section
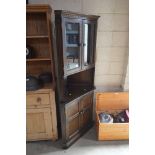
x: 76, y: 41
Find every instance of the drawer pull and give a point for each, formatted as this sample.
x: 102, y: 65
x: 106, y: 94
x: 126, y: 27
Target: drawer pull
x: 39, y: 99
x: 81, y: 112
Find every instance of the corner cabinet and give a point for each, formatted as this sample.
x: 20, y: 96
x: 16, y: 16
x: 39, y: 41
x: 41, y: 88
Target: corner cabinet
x: 75, y: 67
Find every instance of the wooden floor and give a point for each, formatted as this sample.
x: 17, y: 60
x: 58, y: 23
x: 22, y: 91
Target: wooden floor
x: 86, y: 145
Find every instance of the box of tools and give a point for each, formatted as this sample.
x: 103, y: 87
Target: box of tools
x: 112, y: 115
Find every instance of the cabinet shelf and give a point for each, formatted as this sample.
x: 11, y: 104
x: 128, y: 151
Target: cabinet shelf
x: 38, y: 59
x: 37, y: 36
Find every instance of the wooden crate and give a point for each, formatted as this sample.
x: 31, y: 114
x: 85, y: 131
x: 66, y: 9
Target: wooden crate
x: 111, y: 102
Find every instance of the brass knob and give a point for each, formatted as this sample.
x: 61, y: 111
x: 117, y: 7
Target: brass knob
x: 70, y: 94
x: 81, y: 112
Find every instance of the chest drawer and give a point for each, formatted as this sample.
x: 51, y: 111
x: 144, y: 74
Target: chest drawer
x: 37, y: 99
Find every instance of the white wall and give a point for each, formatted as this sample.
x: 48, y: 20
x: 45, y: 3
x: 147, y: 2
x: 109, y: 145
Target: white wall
x: 112, y: 37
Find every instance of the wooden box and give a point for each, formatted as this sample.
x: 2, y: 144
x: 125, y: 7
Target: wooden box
x: 111, y: 102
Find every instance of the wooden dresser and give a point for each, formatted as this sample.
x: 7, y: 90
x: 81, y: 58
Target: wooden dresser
x: 75, y: 66
x: 41, y: 121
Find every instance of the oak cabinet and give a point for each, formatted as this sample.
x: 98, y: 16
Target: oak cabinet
x: 75, y: 67
x: 41, y: 118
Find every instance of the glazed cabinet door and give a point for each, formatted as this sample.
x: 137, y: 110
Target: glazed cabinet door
x: 89, y: 42
x: 72, y: 119
x: 72, y: 29
x: 86, y: 108
x: 38, y: 124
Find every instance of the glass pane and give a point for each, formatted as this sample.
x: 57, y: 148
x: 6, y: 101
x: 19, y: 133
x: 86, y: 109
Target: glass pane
x: 72, y: 46
x: 87, y: 45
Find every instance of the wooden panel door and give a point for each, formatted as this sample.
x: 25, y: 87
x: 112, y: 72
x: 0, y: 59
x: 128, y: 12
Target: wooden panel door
x: 72, y: 119
x: 38, y: 124
x: 86, y: 110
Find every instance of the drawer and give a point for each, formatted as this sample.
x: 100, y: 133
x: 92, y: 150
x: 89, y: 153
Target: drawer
x: 37, y: 99
x: 72, y: 108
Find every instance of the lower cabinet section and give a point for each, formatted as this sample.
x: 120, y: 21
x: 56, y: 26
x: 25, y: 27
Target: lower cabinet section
x: 76, y: 119
x: 41, y: 121
x: 39, y: 124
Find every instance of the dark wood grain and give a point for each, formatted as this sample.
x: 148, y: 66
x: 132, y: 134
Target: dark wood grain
x: 74, y: 87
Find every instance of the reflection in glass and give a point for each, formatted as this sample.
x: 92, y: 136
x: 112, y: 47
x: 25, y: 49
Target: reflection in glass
x: 72, y: 46
x: 87, y: 49
x: 72, y: 55
x: 85, y: 43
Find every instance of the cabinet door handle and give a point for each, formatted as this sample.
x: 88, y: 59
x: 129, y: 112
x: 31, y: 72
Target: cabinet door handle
x: 38, y: 99
x: 84, y: 44
x: 81, y: 112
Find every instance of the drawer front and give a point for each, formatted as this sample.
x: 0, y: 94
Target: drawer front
x: 72, y: 109
x: 37, y: 99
